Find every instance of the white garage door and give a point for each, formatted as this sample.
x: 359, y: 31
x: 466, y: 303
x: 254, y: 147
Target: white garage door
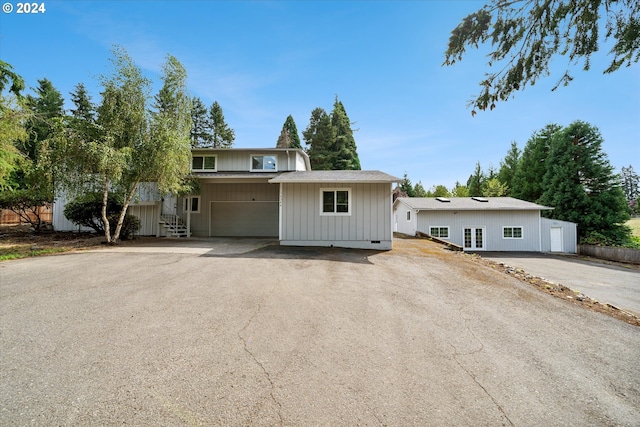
x: 249, y: 219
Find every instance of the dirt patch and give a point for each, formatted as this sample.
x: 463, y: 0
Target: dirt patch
x: 18, y: 241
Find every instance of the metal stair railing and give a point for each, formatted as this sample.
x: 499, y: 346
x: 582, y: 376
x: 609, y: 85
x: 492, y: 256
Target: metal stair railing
x: 174, y: 225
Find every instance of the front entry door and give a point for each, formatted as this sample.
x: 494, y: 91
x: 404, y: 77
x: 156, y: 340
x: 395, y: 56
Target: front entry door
x: 473, y: 239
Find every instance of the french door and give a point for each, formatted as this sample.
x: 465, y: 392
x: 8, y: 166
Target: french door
x: 473, y: 239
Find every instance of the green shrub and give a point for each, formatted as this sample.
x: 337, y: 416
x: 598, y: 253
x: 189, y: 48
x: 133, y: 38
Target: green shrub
x: 86, y: 210
x: 622, y: 238
x: 130, y: 225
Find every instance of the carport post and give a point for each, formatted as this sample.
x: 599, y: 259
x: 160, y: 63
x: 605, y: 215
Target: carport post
x: 189, y: 220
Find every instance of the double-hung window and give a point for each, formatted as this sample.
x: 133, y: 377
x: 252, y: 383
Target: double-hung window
x: 512, y: 232
x: 440, y: 232
x: 335, y: 201
x: 263, y: 163
x: 203, y: 163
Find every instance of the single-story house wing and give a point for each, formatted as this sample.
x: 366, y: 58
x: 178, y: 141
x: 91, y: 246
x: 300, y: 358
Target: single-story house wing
x: 350, y: 209
x: 485, y: 223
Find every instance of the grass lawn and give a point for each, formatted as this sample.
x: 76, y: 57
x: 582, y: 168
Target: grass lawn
x: 634, y: 223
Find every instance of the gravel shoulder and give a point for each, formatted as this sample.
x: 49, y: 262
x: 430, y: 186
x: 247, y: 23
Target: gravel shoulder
x: 300, y: 336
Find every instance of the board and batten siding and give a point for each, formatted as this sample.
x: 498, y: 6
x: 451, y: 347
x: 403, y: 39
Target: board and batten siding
x: 240, y: 192
x: 240, y: 161
x: 492, y: 222
x: 569, y: 232
x: 369, y: 226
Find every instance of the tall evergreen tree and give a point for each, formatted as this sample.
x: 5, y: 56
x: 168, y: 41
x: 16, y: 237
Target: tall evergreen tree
x: 330, y: 139
x: 199, y: 135
x: 527, y: 180
x: 222, y: 136
x: 476, y: 181
x: 526, y: 36
x: 7, y: 74
x: 319, y: 136
x: 344, y: 146
x: 82, y: 120
x: 84, y: 108
x: 289, y: 137
x: 419, y: 190
x: 46, y: 106
x: 406, y: 187
x: 509, y: 166
x: 580, y: 185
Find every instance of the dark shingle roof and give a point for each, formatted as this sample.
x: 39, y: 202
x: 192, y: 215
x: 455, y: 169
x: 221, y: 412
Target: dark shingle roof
x: 469, y: 204
x: 334, y: 177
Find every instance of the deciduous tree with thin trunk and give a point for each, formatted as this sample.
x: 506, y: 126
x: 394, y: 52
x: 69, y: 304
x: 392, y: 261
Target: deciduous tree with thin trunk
x: 136, y: 141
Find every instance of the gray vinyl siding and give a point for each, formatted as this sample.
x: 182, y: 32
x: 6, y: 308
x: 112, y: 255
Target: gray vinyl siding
x: 148, y: 215
x: 234, y: 161
x: 370, y: 219
x: 569, y: 235
x: 241, y: 192
x: 401, y: 223
x: 492, y: 222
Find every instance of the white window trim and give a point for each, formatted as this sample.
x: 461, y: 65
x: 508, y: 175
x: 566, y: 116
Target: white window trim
x: 188, y: 203
x: 275, y: 156
x: 408, y: 216
x: 439, y: 227
x: 512, y: 227
x: 205, y: 170
x: 334, y: 189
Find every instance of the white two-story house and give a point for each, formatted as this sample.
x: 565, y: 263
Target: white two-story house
x: 270, y: 192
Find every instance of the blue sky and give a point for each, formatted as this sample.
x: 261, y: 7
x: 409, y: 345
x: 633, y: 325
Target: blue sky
x: 264, y: 60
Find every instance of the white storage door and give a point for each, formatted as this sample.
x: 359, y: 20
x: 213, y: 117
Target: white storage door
x: 556, y: 239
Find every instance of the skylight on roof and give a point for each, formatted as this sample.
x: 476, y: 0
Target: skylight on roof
x: 443, y: 199
x: 480, y: 199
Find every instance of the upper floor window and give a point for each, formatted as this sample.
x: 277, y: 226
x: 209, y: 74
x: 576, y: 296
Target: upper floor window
x: 203, y: 163
x: 261, y: 163
x: 335, y: 201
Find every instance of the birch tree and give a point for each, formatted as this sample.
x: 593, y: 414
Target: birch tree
x: 136, y: 140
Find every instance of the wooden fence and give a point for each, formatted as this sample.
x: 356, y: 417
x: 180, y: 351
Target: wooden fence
x: 9, y: 218
x: 611, y: 253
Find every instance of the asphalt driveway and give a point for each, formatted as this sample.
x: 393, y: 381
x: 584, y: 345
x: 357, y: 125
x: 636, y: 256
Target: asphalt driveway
x: 268, y: 335
x: 612, y: 284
